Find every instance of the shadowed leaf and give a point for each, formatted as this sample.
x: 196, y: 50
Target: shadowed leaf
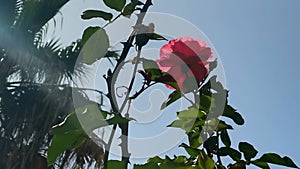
x: 276, y: 159
x: 89, y: 14
x: 171, y: 99
x: 248, y: 150
x: 115, y: 4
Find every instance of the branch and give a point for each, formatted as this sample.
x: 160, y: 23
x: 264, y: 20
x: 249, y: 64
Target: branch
x: 112, y: 75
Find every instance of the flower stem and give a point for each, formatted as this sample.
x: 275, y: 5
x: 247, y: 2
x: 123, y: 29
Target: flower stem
x: 110, y: 81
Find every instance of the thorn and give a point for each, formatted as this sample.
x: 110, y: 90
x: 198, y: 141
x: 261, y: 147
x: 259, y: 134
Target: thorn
x: 124, y: 43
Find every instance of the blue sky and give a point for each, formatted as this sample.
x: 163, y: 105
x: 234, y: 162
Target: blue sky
x: 257, y: 42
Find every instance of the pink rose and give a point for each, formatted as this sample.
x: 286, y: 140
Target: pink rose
x: 185, y: 58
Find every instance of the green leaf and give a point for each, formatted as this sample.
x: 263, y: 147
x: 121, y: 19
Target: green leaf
x: 223, y: 125
x: 213, y: 84
x: 87, y: 119
x: 205, y: 102
x: 193, y: 152
x: 184, y: 124
x: 213, y: 65
x: 150, y: 165
x: 155, y: 159
x: 70, y: 123
x: 115, y: 4
x: 89, y: 14
x: 211, y: 144
x: 191, y: 113
x: 118, y: 119
x: 248, y: 150
x: 141, y: 39
x: 129, y: 8
x: 115, y: 164
x: 234, y: 154
x: 263, y: 165
x: 220, y: 167
x: 205, y: 162
x: 225, y: 138
x: 238, y: 165
x: 276, y: 159
x: 111, y: 54
x: 62, y: 142
x: 171, y: 99
x: 233, y: 114
x: 95, y: 44
x: 155, y: 36
x: 149, y: 64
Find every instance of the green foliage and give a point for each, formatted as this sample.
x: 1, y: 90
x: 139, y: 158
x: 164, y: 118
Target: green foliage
x: 273, y: 158
x: 155, y: 36
x: 115, y: 4
x: 150, y: 165
x: 95, y: 44
x: 248, y: 150
x: 153, y: 73
x: 130, y: 8
x: 89, y: 14
x: 146, y: 33
x: 261, y: 164
x: 186, y: 119
x: 115, y: 164
x: 238, y: 165
x: 233, y: 114
x: 77, y: 127
x: 64, y: 141
x: 228, y: 151
x: 225, y: 138
x: 205, y: 162
x: 171, y: 99
x: 193, y: 152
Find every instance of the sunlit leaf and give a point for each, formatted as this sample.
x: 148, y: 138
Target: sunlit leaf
x: 115, y: 164
x: 195, y: 139
x: 65, y: 141
x: 150, y: 165
x: 95, y: 43
x: 193, y: 152
x: 205, y: 102
x: 149, y: 64
x: 205, y: 162
x: 155, y: 159
x: 223, y: 125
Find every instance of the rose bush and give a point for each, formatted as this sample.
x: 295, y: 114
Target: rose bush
x: 185, y: 58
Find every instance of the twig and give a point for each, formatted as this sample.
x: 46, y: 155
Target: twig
x: 112, y: 21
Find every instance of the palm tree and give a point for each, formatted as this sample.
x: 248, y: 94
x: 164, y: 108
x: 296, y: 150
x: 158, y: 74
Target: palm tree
x: 35, y: 87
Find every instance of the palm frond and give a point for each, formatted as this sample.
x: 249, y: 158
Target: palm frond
x: 35, y: 14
